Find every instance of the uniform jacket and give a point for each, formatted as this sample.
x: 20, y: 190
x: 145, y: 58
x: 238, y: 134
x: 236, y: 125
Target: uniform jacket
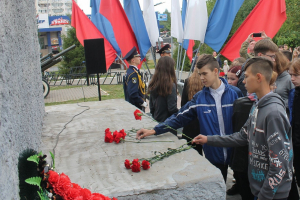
x: 133, y: 93
x: 269, y: 135
x: 203, y: 106
x: 244, y: 51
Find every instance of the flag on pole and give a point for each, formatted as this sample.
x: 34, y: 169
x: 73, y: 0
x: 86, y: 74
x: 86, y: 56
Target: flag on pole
x: 150, y: 21
x: 103, y: 25
x: 187, y: 44
x: 266, y: 16
x: 135, y: 17
x: 220, y: 22
x: 196, y: 20
x: 176, y: 24
x: 85, y: 29
x: 112, y: 10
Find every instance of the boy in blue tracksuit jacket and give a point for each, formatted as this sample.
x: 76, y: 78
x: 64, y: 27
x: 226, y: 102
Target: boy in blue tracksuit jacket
x: 213, y: 106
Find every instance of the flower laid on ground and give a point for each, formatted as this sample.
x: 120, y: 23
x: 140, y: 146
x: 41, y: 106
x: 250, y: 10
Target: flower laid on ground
x: 146, y: 164
x: 138, y: 114
x: 116, y: 137
x: 135, y: 165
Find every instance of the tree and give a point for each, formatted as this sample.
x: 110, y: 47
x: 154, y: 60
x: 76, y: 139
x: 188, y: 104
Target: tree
x: 76, y: 56
x: 289, y: 33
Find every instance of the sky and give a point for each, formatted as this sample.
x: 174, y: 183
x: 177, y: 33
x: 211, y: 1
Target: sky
x: 85, y: 5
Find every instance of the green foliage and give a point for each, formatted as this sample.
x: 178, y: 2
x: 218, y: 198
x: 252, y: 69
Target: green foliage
x: 289, y: 33
x: 43, y: 195
x: 34, y: 158
x: 167, y: 23
x: 76, y: 56
x: 52, y: 156
x: 34, y: 181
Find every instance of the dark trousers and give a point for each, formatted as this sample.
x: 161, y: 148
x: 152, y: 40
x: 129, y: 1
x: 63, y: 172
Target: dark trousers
x: 223, y: 169
x: 243, y: 185
x: 294, y: 190
x: 296, y: 164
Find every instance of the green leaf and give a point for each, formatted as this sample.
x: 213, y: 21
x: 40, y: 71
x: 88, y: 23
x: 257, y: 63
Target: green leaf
x: 40, y: 153
x: 34, y: 158
x: 34, y: 181
x: 52, y: 156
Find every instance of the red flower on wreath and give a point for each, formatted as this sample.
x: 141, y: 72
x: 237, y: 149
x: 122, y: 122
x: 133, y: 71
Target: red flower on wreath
x: 146, y: 164
x: 138, y: 114
x: 127, y: 164
x: 136, y: 166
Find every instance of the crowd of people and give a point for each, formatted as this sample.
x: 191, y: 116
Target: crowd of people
x: 246, y: 119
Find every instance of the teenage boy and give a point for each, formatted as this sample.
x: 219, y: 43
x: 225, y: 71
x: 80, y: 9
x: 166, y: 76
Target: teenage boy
x: 134, y: 87
x: 212, y: 106
x: 268, y: 133
x: 263, y: 48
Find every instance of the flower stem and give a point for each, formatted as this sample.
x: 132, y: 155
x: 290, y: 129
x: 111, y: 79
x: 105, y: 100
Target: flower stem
x: 168, y: 127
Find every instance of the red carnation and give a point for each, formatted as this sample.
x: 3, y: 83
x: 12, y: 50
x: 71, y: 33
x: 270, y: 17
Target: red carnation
x: 63, y: 185
x: 86, y: 194
x: 53, y: 178
x: 138, y: 114
x: 146, y: 164
x: 108, y: 137
x: 117, y: 137
x: 136, y: 166
x: 72, y: 193
x: 107, y: 130
x: 123, y: 134
x: 79, y: 198
x: 127, y: 164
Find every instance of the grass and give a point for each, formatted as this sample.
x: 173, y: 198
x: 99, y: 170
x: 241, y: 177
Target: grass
x: 114, y: 91
x: 150, y: 64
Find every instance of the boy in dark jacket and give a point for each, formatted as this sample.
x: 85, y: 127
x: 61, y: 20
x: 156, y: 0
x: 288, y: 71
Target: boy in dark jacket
x: 212, y: 106
x: 268, y: 133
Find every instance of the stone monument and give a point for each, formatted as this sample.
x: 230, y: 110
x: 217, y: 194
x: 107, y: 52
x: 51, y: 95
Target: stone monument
x: 82, y: 154
x: 21, y: 92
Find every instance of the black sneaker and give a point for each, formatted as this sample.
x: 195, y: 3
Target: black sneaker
x: 233, y: 190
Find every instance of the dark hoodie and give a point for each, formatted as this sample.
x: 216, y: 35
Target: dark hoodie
x: 269, y: 135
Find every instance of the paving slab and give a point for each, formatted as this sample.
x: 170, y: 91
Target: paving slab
x: 82, y: 154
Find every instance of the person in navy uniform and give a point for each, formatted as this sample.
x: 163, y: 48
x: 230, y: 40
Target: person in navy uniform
x: 134, y: 87
x: 165, y: 51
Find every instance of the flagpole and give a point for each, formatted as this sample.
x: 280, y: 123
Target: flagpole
x: 177, y: 60
x: 194, y: 60
x: 121, y: 60
x: 147, y: 68
x: 182, y: 66
x: 153, y: 56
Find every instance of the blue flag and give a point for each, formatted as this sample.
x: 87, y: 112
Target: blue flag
x: 135, y: 17
x: 103, y: 25
x: 185, y: 43
x: 220, y: 22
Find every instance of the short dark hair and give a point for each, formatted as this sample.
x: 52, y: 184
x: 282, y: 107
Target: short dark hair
x: 288, y: 54
x: 265, y: 45
x: 208, y: 60
x: 280, y: 46
x: 260, y: 65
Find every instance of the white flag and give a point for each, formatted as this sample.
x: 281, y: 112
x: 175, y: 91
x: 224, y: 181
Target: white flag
x: 176, y: 22
x: 150, y: 21
x: 196, y: 20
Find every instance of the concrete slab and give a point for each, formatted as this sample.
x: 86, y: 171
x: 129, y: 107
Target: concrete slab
x: 82, y: 154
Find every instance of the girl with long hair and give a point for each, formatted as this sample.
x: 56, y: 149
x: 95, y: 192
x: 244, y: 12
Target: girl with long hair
x: 163, y: 90
x: 192, y: 85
